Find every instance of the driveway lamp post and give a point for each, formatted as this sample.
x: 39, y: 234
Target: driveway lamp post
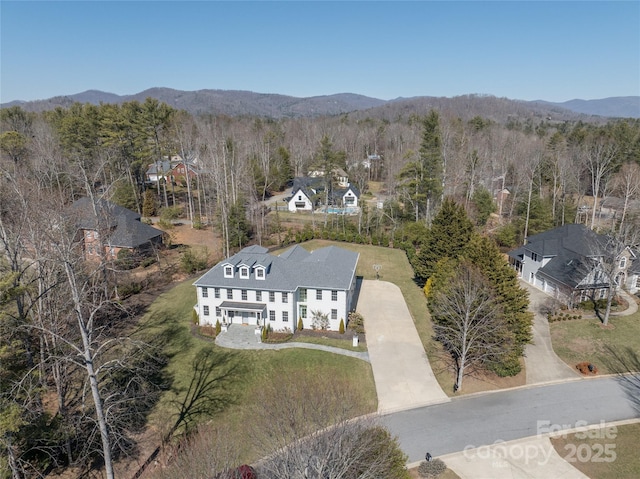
x: 377, y: 268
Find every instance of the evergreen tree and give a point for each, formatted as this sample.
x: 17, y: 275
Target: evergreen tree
x: 514, y: 301
x: 484, y: 205
x: 432, y: 160
x: 449, y: 235
x: 150, y: 205
x: 239, y: 228
x: 422, y: 178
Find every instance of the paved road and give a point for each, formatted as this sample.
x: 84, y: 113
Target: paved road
x: 542, y: 363
x: 401, y: 370
x: 507, y: 415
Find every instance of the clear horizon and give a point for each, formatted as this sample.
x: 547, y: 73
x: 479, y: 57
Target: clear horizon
x: 522, y: 50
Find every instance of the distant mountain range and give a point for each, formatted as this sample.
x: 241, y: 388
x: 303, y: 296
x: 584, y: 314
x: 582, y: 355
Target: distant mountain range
x: 617, y: 106
x: 246, y: 103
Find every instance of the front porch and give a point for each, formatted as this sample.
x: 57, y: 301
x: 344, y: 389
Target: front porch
x: 242, y: 313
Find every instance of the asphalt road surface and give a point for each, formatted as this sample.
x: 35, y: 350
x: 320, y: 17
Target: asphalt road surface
x: 507, y: 415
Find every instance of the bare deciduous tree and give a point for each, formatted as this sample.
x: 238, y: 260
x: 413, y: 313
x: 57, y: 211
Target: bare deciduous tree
x: 468, y: 321
x: 627, y: 183
x: 303, y: 426
x: 598, y: 160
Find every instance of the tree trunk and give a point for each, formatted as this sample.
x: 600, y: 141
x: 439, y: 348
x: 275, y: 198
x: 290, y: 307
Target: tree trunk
x: 91, y: 374
x: 610, y: 295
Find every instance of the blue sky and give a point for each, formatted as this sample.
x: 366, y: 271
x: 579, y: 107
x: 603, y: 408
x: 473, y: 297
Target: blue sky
x: 527, y: 50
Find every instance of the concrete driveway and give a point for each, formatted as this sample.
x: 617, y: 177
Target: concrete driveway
x: 401, y: 370
x: 542, y: 363
x: 531, y: 458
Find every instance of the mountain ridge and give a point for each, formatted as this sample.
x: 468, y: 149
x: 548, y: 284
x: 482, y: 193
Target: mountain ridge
x: 277, y: 106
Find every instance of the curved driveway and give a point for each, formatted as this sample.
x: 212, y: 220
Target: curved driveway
x: 541, y: 362
x: 401, y: 370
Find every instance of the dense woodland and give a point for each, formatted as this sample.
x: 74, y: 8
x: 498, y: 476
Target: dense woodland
x: 76, y: 385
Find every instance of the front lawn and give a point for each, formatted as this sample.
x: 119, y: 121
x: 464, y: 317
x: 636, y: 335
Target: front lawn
x: 579, y: 340
x: 169, y: 318
x: 395, y: 268
x: 603, y: 453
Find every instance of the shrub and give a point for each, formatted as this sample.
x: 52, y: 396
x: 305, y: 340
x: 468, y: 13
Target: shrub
x: 194, y: 317
x: 432, y: 468
x: 192, y: 262
x: 170, y: 213
x: 165, y: 224
x: 427, y: 286
x: 507, y: 366
x: 126, y: 290
x: 265, y: 333
x: 126, y: 259
x: 300, y: 326
x: 244, y: 472
x: 208, y: 330
x: 341, y: 328
x: 148, y: 261
x: 218, y: 327
x: 197, y: 223
x: 355, y: 322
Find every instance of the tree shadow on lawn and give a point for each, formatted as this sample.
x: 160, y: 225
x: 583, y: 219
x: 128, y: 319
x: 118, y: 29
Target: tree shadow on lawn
x: 625, y: 362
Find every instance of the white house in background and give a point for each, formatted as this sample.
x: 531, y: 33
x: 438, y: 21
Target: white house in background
x: 300, y: 200
x: 348, y: 196
x: 309, y: 192
x: 257, y: 288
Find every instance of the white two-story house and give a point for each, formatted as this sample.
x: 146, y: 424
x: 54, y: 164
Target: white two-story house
x: 257, y: 288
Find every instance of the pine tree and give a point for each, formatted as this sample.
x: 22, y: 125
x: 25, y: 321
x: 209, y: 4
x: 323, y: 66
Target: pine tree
x: 422, y: 178
x: 150, y: 205
x: 449, y: 235
x: 514, y: 301
x: 432, y: 160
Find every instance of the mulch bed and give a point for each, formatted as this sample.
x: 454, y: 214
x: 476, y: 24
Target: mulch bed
x: 587, y: 369
x: 347, y: 336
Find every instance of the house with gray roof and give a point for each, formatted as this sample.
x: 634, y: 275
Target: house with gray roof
x: 255, y: 287
x: 106, y: 228
x: 566, y: 263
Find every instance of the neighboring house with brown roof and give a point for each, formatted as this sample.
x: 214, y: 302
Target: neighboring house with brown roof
x: 106, y: 228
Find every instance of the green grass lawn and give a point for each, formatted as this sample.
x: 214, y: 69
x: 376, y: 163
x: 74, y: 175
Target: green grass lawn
x: 603, y: 456
x: 169, y: 320
x: 581, y: 340
x: 395, y: 268
x: 336, y: 343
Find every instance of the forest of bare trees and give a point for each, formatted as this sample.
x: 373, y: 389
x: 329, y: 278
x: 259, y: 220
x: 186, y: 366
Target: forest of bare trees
x: 515, y: 174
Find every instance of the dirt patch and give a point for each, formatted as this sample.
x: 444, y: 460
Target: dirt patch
x: 487, y: 381
x: 184, y: 234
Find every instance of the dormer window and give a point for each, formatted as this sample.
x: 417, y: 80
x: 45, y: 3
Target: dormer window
x: 259, y: 273
x: 244, y: 272
x: 228, y: 271
x: 623, y: 262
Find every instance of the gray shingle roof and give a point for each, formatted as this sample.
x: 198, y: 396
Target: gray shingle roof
x: 325, y: 268
x: 572, y: 237
x: 123, y: 226
x: 571, y: 249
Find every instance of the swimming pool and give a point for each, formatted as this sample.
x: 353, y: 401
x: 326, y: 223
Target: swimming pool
x: 349, y: 210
